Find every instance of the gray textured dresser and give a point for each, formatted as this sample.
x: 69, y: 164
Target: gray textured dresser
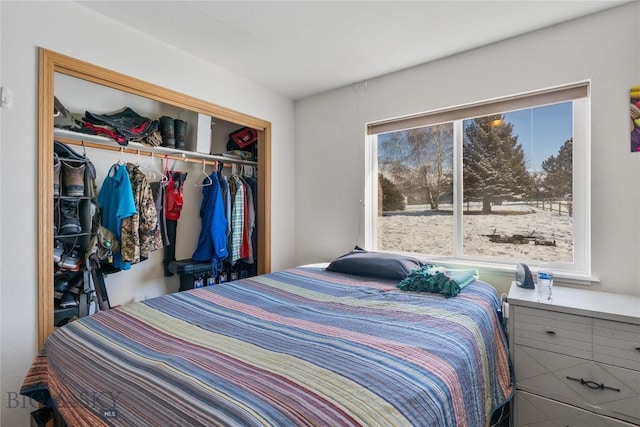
x: 576, y: 359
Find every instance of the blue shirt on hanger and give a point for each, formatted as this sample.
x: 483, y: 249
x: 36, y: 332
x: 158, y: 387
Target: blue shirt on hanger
x: 116, y: 201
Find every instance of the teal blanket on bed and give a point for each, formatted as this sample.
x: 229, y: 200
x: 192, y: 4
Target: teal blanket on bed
x: 438, y: 279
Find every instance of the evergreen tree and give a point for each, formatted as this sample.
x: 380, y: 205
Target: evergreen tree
x: 392, y: 198
x: 494, y: 164
x: 537, y: 191
x: 559, y: 172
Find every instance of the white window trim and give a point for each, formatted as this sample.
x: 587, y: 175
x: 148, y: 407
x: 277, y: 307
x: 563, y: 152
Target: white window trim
x: 579, y: 272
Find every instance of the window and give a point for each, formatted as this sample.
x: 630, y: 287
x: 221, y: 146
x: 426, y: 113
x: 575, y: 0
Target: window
x: 497, y: 182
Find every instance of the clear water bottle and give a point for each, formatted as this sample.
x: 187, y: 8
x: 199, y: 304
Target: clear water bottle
x: 545, y: 282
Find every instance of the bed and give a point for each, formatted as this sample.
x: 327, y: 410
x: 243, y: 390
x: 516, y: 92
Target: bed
x: 298, y: 347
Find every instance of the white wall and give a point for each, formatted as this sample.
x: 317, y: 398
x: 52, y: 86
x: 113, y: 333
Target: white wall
x: 602, y: 48
x: 73, y: 30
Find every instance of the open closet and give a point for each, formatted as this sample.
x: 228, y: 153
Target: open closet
x: 58, y: 73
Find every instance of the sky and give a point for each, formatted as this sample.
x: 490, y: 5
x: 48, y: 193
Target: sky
x: 542, y: 131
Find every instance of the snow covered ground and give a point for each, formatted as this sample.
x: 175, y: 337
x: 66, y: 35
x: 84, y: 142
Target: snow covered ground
x: 420, y: 230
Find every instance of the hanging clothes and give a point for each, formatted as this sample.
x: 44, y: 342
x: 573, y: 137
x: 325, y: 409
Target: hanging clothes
x: 149, y: 226
x: 253, y: 184
x: 172, y: 208
x: 226, y: 200
x: 212, y: 243
x: 157, y: 189
x: 140, y: 232
x: 237, y: 218
x: 251, y: 219
x: 115, y: 199
x: 227, y: 196
x: 245, y: 246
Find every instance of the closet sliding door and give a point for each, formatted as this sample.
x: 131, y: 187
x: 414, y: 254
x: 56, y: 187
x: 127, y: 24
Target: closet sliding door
x: 51, y: 63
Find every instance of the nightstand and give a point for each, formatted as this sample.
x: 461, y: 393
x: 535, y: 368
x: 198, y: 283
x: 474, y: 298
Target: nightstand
x: 576, y: 359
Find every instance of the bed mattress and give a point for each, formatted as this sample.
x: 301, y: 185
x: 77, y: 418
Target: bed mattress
x: 299, y: 347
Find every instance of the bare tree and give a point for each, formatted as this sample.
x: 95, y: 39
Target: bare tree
x: 420, y: 162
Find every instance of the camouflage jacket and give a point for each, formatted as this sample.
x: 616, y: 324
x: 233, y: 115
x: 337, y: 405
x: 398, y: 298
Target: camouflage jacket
x: 140, y: 233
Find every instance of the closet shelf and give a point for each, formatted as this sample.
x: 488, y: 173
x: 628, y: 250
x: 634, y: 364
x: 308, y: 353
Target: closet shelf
x: 103, y: 143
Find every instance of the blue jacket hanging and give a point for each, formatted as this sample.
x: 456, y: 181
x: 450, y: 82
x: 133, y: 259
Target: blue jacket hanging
x: 212, y: 243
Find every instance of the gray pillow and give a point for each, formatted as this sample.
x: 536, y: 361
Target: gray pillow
x: 382, y: 265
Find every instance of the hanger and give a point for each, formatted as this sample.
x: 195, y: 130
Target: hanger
x: 121, y: 161
x: 207, y: 181
x: 164, y: 178
x: 246, y: 171
x: 153, y: 171
x: 165, y: 174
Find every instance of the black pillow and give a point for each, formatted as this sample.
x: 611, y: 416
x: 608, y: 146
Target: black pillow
x: 375, y: 264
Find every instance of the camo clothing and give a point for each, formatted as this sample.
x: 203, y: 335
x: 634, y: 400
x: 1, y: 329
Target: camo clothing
x: 141, y: 232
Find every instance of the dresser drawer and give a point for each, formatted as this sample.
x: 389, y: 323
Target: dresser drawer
x: 535, y: 411
x: 558, y: 332
x: 604, y: 389
x: 616, y: 343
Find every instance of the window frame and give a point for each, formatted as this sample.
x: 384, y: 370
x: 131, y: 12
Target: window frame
x: 579, y: 93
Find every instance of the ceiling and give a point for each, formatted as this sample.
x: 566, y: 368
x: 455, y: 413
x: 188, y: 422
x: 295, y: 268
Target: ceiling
x: 300, y: 48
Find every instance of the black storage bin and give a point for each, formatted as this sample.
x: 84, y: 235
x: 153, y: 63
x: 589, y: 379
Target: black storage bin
x: 62, y: 315
x: 193, y: 274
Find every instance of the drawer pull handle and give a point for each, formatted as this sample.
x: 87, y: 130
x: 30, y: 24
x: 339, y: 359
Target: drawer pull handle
x: 593, y: 385
x: 638, y: 348
x: 550, y: 333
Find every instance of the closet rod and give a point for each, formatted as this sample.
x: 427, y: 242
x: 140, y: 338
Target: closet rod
x: 160, y: 155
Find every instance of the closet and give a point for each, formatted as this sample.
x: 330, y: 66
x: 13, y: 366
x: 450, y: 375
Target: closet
x: 56, y: 68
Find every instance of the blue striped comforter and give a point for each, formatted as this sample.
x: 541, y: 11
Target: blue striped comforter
x: 300, y: 347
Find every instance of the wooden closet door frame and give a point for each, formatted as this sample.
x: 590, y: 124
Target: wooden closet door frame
x: 50, y: 63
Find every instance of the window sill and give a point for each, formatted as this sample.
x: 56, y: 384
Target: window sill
x: 507, y: 270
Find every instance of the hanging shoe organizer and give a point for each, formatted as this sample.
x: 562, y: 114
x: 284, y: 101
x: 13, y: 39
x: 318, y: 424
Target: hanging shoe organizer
x: 73, y: 293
